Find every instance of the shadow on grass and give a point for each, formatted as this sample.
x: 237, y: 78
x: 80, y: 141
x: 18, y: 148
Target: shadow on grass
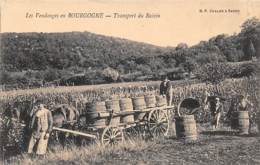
x: 225, y: 133
x: 228, y: 133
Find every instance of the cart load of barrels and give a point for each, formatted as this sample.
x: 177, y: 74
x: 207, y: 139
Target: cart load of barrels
x: 109, y: 120
x: 121, y: 111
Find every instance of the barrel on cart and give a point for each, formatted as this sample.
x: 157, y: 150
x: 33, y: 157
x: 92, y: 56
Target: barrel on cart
x: 126, y: 107
x: 150, y: 101
x: 93, y: 116
x: 113, y: 107
x: 139, y: 104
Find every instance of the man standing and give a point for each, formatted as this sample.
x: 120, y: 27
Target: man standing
x: 41, y: 126
x: 166, y: 90
x: 215, y: 109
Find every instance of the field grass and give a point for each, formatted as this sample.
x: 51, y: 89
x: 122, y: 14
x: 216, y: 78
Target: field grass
x: 213, y: 147
x: 74, y: 89
x: 210, y: 149
x: 102, y: 87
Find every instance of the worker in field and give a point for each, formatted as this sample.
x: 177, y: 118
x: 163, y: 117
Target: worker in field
x: 166, y: 90
x: 244, y: 104
x: 216, y: 109
x: 205, y: 100
x: 41, y: 126
x: 240, y: 103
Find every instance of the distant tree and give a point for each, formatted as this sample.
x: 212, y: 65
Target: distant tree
x: 130, y: 66
x: 121, y: 68
x: 213, y: 73
x: 181, y: 46
x: 209, y: 57
x: 250, y: 37
x: 170, y: 63
x: 142, y: 60
x: 250, y: 24
x: 145, y: 69
x: 248, y: 70
x: 179, y: 56
x: 234, y: 55
x: 190, y: 65
x: 50, y: 74
x: 110, y: 74
x: 251, y: 50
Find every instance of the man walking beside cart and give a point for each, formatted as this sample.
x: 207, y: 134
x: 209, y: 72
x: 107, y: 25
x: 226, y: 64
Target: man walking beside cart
x: 41, y: 126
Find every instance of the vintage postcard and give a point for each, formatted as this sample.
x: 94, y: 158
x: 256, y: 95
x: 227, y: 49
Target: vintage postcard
x: 129, y: 82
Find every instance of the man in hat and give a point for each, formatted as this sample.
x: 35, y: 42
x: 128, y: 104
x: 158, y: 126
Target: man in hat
x: 166, y: 90
x: 215, y: 109
x: 41, y: 126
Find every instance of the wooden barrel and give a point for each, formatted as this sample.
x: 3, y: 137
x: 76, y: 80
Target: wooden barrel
x: 186, y: 128
x: 139, y: 104
x: 126, y: 105
x: 240, y: 121
x: 113, y: 105
x: 92, y: 114
x: 150, y: 101
x: 161, y: 101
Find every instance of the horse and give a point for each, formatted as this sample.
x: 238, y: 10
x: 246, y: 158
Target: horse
x: 64, y: 116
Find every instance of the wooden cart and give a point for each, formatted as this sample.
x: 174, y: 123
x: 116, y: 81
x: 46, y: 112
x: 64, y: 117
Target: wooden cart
x: 154, y: 123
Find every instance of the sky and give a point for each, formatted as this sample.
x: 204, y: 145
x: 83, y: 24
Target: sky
x: 179, y: 21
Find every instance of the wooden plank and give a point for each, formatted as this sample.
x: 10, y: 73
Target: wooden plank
x: 103, y: 114
x: 74, y: 132
x: 121, y: 113
x: 70, y: 131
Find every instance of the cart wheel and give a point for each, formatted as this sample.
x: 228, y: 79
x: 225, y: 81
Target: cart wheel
x: 138, y: 131
x: 158, y: 123
x: 111, y: 136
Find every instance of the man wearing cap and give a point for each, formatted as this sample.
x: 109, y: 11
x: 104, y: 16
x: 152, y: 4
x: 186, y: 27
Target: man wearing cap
x: 216, y: 109
x: 41, y: 126
x: 166, y: 90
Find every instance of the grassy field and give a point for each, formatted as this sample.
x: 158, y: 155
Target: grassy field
x: 221, y: 147
x: 213, y: 147
x: 85, y: 88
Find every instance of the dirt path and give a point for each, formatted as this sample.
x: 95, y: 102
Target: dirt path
x: 210, y: 149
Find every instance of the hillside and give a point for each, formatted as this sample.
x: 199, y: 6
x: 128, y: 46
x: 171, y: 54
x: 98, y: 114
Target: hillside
x: 34, y: 59
x: 38, y: 51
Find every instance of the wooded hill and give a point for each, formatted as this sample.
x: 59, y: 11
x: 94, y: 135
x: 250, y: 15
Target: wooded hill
x: 46, y: 57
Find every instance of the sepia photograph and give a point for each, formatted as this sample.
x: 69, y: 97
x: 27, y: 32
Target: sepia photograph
x: 129, y: 82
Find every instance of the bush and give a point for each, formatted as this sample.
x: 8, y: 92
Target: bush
x: 245, y: 70
x: 50, y: 74
x: 110, y: 74
x: 213, y: 73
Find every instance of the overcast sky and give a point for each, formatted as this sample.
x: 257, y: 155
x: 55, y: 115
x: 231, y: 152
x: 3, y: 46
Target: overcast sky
x: 180, y: 20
